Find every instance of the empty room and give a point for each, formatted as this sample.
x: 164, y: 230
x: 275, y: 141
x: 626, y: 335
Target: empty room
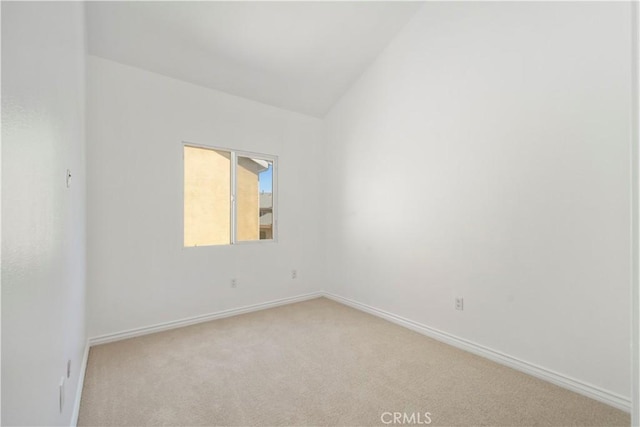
x: 340, y: 213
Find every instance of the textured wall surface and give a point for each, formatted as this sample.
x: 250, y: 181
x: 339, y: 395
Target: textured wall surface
x: 43, y: 221
x: 485, y: 155
x: 139, y: 273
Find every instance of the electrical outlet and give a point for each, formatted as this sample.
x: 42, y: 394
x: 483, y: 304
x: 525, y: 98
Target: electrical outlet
x: 294, y: 274
x: 459, y: 303
x: 234, y: 283
x: 69, y: 368
x: 61, y: 393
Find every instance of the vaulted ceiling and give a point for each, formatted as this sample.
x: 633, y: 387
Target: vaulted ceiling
x: 300, y: 56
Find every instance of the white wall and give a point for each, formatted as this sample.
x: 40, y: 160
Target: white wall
x: 635, y: 212
x: 485, y: 154
x: 138, y: 272
x: 43, y: 221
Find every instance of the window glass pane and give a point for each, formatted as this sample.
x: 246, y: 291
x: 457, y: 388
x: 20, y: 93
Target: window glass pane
x: 254, y: 196
x: 207, y: 197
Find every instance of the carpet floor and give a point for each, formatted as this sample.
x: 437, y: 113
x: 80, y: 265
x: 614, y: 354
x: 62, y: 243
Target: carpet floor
x: 316, y: 362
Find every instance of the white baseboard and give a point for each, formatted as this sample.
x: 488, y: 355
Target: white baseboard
x: 159, y: 327
x: 558, y: 379
x: 76, y: 403
x: 561, y: 380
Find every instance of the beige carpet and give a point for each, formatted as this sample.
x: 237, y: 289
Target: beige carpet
x: 315, y: 363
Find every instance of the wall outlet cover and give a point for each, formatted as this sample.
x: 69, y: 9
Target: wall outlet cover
x: 61, y: 393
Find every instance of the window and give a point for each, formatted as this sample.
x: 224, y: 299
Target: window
x: 228, y: 196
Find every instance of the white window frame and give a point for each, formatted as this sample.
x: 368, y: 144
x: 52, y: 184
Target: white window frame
x: 234, y: 154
